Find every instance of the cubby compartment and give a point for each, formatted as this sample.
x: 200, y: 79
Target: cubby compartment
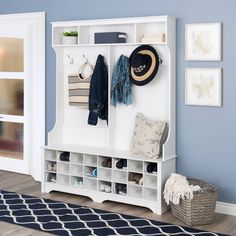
x: 150, y: 168
x: 120, y: 189
x: 62, y: 179
x: 76, y: 158
x: 150, y: 181
x: 90, y: 172
x: 90, y: 160
x: 63, y: 156
x: 104, y: 162
x: 76, y: 182
x: 87, y: 32
x: 135, y: 178
x: 151, y: 29
x: 119, y: 176
x: 50, y: 177
x: 76, y: 170
x: 135, y: 166
x: 134, y: 191
x: 104, y: 174
x: 90, y: 184
x: 120, y: 164
x: 150, y: 194
x: 58, y: 33
x: 50, y: 155
x: 105, y: 186
x: 63, y: 168
x: 51, y: 166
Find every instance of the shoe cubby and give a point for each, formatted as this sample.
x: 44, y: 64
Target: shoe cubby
x: 104, y: 174
x: 150, y: 168
x: 135, y: 166
x: 120, y: 189
x: 150, y: 181
x: 51, y: 166
x: 76, y: 170
x: 50, y: 177
x: 76, y: 158
x: 150, y: 194
x: 90, y: 171
x: 90, y: 184
x: 105, y: 186
x: 104, y: 162
x: 76, y: 182
x: 135, y: 191
x: 119, y: 176
x: 63, y: 168
x: 63, y: 156
x: 135, y: 178
x: 120, y: 164
x: 62, y: 179
x: 50, y: 155
x: 90, y: 160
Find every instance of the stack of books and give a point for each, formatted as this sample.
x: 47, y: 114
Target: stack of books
x: 153, y: 38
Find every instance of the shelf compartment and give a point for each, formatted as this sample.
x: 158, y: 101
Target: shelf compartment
x: 76, y: 158
x: 150, y: 181
x: 59, y: 153
x: 105, y: 186
x: 58, y: 33
x: 62, y: 179
x: 76, y: 182
x: 90, y: 160
x: 104, y: 174
x: 120, y: 189
x: 51, y: 166
x: 135, y: 166
x: 104, y: 162
x: 50, y: 155
x: 135, y: 191
x: 151, y: 28
x: 150, y: 194
x: 87, y: 31
x: 119, y: 176
x: 88, y: 170
x: 135, y: 178
x: 115, y: 160
x: 90, y: 184
x: 145, y: 168
x: 76, y: 170
x: 49, y: 177
x: 63, y: 168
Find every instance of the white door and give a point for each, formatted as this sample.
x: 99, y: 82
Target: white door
x: 18, y: 84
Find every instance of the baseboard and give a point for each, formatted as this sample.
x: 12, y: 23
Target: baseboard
x: 226, y: 208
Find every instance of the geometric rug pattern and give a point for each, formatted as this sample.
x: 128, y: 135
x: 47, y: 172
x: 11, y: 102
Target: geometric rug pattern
x: 60, y: 218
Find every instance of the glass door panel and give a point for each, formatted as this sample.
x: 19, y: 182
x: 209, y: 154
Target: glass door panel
x: 12, y: 97
x: 11, y: 140
x: 11, y: 54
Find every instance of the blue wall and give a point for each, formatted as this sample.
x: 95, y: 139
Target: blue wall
x: 206, y: 143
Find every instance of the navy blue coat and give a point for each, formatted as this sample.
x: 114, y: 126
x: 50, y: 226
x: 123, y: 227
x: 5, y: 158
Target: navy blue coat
x: 98, y: 93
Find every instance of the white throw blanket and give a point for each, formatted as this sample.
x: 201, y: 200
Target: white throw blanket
x: 177, y: 187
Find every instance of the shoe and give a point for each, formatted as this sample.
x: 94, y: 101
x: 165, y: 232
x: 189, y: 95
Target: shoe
x: 135, y: 178
x: 121, y: 164
x: 151, y: 168
x: 50, y: 177
x: 65, y: 156
x: 107, y: 189
x: 92, y: 172
x: 102, y: 188
x: 107, y: 163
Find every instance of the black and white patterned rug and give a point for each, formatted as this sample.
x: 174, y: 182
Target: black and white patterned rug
x: 61, y: 218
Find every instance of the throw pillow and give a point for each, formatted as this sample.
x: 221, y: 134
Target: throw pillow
x: 148, y: 136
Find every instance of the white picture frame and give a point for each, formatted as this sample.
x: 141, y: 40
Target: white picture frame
x: 203, y: 87
x: 203, y: 42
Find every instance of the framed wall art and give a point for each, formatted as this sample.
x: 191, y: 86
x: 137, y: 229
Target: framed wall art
x: 203, y: 86
x: 203, y: 42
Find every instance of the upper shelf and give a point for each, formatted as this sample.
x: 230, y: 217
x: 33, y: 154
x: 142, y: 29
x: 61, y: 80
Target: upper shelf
x: 135, y: 29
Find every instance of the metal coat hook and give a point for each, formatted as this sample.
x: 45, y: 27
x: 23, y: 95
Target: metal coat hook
x: 71, y: 59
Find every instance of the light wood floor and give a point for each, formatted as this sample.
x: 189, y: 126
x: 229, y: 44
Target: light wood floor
x: 26, y: 185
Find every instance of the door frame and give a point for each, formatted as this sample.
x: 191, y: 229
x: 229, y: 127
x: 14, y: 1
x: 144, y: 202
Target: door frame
x: 36, y: 20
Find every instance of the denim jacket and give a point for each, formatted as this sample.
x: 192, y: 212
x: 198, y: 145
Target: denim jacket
x: 121, y: 84
x: 98, y: 93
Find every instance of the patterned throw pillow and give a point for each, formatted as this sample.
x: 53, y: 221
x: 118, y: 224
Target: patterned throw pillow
x: 148, y: 136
